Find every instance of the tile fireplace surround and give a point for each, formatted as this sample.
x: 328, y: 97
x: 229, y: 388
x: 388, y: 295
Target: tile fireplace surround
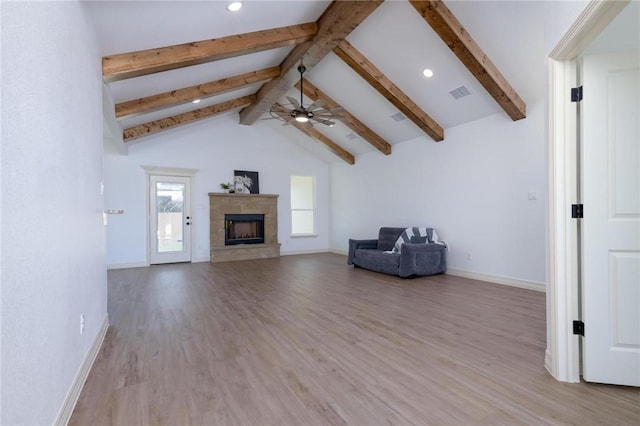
x: 221, y: 204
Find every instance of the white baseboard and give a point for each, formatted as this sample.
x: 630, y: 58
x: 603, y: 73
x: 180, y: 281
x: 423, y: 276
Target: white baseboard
x: 127, y: 265
x: 64, y: 415
x: 548, y: 362
x: 296, y: 252
x: 201, y: 259
x: 337, y: 251
x: 496, y: 279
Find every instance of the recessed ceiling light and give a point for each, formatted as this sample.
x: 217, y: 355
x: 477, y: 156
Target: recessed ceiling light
x: 196, y: 101
x: 427, y: 73
x: 235, y: 6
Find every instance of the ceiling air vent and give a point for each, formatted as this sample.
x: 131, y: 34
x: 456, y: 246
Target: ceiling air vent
x: 398, y: 117
x: 350, y: 136
x: 460, y: 92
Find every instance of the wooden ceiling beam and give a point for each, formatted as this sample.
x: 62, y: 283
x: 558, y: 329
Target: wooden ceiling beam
x: 349, y: 120
x: 313, y: 133
x: 337, y: 22
x: 185, y: 118
x: 451, y: 31
x: 360, y: 64
x: 143, y: 62
x: 188, y: 94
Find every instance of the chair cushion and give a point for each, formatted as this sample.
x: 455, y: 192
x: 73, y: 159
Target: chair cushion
x: 376, y: 257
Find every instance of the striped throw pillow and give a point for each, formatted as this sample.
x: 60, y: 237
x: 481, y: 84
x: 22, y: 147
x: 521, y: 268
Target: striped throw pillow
x: 415, y: 235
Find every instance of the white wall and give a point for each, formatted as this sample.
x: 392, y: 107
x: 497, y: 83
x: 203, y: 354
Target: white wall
x: 53, y: 258
x: 216, y: 147
x: 472, y: 188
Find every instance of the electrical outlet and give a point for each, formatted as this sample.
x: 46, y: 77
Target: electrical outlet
x: 469, y: 256
x: 81, y: 324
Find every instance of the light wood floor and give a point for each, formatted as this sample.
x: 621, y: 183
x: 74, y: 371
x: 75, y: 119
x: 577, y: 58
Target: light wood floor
x: 306, y: 340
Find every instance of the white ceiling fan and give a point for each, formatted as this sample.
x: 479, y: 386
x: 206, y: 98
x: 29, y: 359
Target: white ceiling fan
x: 314, y: 113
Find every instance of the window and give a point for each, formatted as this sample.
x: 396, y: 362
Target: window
x: 303, y: 200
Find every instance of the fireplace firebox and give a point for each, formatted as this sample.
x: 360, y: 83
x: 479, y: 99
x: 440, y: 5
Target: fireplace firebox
x: 243, y: 229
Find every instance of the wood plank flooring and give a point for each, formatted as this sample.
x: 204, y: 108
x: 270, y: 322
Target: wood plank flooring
x: 307, y: 340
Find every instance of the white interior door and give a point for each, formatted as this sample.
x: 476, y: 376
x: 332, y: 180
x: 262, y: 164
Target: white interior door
x: 169, y: 219
x: 611, y: 224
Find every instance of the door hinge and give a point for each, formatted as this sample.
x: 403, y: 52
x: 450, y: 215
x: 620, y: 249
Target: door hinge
x: 576, y: 94
x: 577, y: 211
x: 578, y: 328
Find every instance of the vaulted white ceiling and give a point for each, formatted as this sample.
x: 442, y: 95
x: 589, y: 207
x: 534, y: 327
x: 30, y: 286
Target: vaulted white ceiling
x: 394, y: 37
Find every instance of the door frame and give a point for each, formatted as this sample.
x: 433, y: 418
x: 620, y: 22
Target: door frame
x: 562, y: 356
x: 167, y: 171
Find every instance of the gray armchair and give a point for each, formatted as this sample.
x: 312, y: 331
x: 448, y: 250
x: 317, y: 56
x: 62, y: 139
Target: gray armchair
x: 419, y: 259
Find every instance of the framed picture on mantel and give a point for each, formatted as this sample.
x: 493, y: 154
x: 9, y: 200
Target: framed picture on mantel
x: 246, y: 182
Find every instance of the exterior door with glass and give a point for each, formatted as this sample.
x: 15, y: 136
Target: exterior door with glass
x: 169, y: 219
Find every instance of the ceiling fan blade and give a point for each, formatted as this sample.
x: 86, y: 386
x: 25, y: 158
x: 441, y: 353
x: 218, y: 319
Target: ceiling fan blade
x: 328, y: 115
x: 317, y: 104
x: 293, y: 102
x: 325, y: 122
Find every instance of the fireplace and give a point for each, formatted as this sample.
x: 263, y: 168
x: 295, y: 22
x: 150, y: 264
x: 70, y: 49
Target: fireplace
x: 243, y: 229
x: 227, y: 207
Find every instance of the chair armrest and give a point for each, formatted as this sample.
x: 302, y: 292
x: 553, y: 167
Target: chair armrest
x: 360, y: 244
x: 422, y: 259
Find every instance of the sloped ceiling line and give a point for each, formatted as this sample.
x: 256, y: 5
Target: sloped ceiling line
x: 313, y: 133
x: 451, y: 31
x: 348, y: 119
x: 144, y: 62
x: 336, y: 23
x: 376, y: 79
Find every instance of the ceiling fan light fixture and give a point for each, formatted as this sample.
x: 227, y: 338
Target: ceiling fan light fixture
x: 313, y: 113
x: 301, y: 117
x: 234, y: 7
